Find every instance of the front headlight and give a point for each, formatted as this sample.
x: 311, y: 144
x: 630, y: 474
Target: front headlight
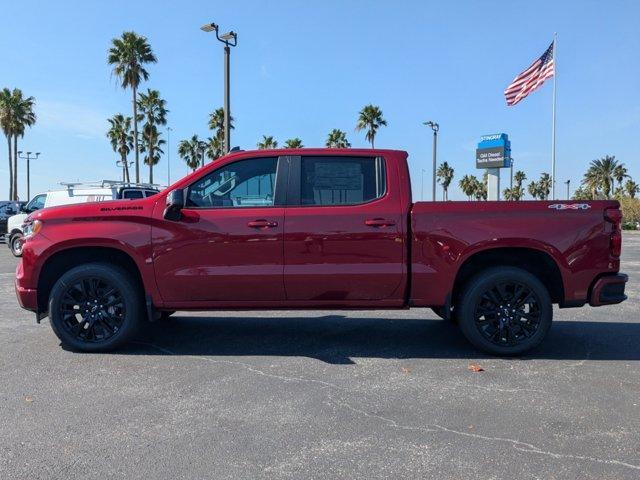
x: 30, y: 228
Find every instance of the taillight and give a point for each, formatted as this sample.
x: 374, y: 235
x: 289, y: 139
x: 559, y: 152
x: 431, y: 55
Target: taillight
x: 614, y: 215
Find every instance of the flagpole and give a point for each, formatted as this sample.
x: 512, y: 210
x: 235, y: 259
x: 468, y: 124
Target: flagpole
x: 553, y: 119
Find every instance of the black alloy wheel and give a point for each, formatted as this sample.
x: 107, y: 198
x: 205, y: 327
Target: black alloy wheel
x: 92, y: 309
x: 95, y: 307
x: 505, y: 311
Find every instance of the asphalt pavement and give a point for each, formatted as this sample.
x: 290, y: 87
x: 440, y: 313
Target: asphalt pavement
x: 323, y: 395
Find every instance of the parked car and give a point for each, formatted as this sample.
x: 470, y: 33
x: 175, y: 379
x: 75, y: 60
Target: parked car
x: 317, y: 229
x: 72, y: 193
x: 8, y: 209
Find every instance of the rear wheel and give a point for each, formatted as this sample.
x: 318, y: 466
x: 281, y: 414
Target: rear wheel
x: 505, y: 311
x: 95, y: 307
x: 15, y: 244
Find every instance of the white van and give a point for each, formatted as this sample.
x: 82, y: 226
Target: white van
x: 73, y: 193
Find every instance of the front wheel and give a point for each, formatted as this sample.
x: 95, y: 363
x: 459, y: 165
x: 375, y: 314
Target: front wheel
x: 505, y: 311
x: 15, y: 244
x: 95, y: 307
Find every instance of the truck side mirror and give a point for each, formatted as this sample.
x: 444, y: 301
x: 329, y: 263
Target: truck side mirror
x: 175, y: 203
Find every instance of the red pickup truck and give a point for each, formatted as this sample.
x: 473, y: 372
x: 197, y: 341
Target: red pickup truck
x: 316, y: 229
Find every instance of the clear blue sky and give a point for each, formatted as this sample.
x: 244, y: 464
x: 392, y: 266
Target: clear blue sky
x: 303, y: 68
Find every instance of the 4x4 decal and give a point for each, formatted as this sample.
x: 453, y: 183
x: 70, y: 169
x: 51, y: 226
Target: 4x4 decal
x: 570, y: 206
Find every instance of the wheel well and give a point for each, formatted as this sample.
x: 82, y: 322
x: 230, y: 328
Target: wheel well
x: 535, y: 262
x: 63, y: 261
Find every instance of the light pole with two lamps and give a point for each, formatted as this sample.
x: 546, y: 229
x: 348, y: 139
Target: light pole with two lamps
x: 230, y: 39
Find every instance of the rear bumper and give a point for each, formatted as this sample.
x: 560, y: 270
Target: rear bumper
x: 608, y: 290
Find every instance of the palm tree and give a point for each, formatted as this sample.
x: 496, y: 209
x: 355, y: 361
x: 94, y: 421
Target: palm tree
x: 370, y: 119
x: 631, y: 188
x: 154, y: 111
x: 601, y: 174
x: 16, y: 114
x: 267, y: 143
x: 467, y: 185
x: 214, y: 148
x: 480, y: 188
x: 128, y: 55
x: 620, y: 173
x: 534, y: 190
x: 121, y: 138
x: 591, y: 183
x: 216, y: 123
x: 151, y: 145
x: 519, y: 177
x: 191, y: 151
x: 293, y: 143
x: 7, y: 123
x: 581, y: 193
x: 445, y: 177
x: 544, y: 186
x: 337, y: 139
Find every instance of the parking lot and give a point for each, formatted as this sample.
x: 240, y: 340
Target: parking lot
x: 323, y: 395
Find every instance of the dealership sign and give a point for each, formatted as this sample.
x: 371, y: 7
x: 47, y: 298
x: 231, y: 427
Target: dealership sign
x: 494, y: 151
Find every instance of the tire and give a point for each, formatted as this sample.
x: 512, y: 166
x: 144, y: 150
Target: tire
x: 96, y: 307
x: 15, y: 245
x: 505, y: 311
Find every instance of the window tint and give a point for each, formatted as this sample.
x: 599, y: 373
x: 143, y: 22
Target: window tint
x: 132, y: 194
x: 341, y: 180
x: 247, y: 183
x: 150, y: 193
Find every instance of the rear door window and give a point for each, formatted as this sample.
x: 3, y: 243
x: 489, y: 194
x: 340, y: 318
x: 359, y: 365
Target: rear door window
x: 341, y: 180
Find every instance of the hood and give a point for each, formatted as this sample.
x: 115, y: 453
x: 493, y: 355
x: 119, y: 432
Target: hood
x: 110, y: 208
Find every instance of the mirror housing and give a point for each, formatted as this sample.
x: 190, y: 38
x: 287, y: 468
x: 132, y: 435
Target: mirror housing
x: 175, y: 203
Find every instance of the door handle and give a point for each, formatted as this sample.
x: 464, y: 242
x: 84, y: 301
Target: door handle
x: 379, y: 222
x: 262, y: 224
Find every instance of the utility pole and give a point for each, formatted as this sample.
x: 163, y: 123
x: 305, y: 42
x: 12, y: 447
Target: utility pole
x: 567, y: 183
x: 230, y: 39
x: 435, y: 127
x: 28, y: 158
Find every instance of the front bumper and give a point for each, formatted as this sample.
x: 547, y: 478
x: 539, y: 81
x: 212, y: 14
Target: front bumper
x: 27, y: 297
x: 608, y: 290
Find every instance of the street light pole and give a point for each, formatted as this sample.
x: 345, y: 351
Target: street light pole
x: 230, y: 39
x: 28, y: 158
x: 568, y: 182
x: 435, y: 127
x: 120, y: 163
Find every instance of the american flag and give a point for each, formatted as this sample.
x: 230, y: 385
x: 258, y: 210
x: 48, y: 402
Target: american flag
x: 531, y: 78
